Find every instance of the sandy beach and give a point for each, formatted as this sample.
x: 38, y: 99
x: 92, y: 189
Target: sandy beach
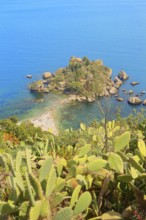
x: 45, y: 121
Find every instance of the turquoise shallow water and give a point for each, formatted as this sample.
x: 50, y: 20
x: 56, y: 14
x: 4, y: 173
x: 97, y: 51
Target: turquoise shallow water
x: 41, y: 35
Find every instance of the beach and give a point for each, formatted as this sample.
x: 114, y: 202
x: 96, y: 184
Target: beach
x: 46, y: 121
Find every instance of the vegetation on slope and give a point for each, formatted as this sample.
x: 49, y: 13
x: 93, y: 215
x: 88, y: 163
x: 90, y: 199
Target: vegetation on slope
x: 95, y: 172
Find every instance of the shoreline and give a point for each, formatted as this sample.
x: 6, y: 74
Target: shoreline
x: 47, y: 120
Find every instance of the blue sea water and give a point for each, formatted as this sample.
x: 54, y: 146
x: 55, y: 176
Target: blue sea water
x: 41, y: 35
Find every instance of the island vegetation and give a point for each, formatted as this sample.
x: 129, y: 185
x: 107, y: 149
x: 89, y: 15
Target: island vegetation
x: 94, y: 172
x: 83, y: 78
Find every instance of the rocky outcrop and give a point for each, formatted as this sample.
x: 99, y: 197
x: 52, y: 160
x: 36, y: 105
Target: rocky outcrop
x: 134, y: 100
x: 117, y: 80
x: 90, y: 99
x: 113, y: 90
x: 123, y: 75
x: 46, y: 90
x: 106, y: 93
x: 144, y: 102
x: 47, y: 75
x: 134, y: 83
x: 143, y: 92
x: 37, y: 86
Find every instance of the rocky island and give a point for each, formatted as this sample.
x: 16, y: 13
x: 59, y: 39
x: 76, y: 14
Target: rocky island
x: 84, y: 79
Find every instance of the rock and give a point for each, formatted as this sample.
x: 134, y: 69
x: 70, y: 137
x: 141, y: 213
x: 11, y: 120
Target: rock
x: 134, y: 83
x: 117, y: 85
x: 45, y: 81
x: 143, y: 92
x: 123, y: 75
x: 106, y: 93
x: 47, y: 75
x: 91, y: 99
x: 29, y: 76
x: 130, y: 92
x: 113, y: 90
x: 46, y: 90
x: 124, y: 90
x: 134, y: 100
x: 81, y: 98
x: 116, y: 79
x: 108, y: 71
x: 109, y: 83
x: 120, y: 99
x: 61, y: 86
x: 144, y: 102
x: 117, y: 82
x: 37, y: 86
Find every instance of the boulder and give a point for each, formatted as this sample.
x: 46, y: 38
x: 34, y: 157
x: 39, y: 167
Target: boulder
x: 130, y: 92
x: 123, y: 75
x: 46, y: 90
x: 134, y: 100
x: 143, y: 92
x: 144, y: 102
x: 109, y: 83
x: 81, y: 98
x: 45, y: 81
x: 120, y: 99
x: 47, y: 75
x: 37, y: 86
x: 90, y: 99
x: 134, y: 83
x: 117, y: 82
x: 113, y: 90
x: 106, y: 93
x: 117, y: 85
x: 116, y: 79
x: 29, y: 76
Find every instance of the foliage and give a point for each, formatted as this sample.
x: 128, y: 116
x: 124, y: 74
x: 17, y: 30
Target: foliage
x: 73, y: 176
x: 81, y: 77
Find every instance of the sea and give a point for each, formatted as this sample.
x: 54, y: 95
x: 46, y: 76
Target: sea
x: 41, y: 35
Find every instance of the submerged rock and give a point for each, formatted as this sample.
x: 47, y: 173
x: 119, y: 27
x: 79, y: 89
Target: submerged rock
x: 123, y: 75
x: 134, y: 100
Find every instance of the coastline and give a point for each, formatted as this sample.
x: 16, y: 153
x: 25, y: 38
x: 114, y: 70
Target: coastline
x: 47, y: 120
